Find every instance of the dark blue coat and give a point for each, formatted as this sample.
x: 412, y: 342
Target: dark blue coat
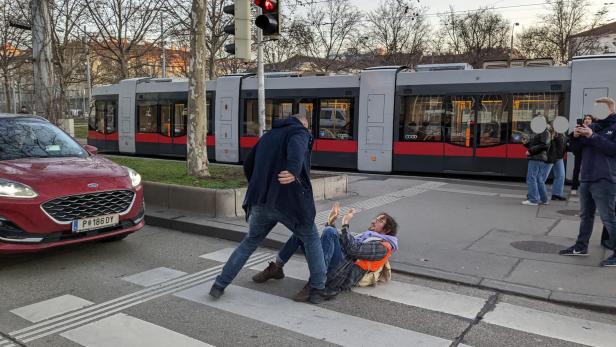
x: 287, y: 146
x: 598, y: 151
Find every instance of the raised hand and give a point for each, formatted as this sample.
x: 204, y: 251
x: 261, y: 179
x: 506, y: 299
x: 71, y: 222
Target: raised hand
x: 348, y: 216
x: 333, y: 214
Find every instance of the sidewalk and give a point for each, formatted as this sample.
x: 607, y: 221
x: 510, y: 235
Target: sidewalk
x: 465, y: 231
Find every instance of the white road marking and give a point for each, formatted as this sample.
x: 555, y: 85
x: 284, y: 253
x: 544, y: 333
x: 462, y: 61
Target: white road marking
x: 123, y: 330
x: 552, y: 325
x: 309, y: 320
x: 50, y: 308
x: 154, y: 276
x: 80, y: 317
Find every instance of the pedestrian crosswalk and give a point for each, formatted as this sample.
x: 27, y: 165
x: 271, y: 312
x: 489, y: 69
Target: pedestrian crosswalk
x: 107, y: 324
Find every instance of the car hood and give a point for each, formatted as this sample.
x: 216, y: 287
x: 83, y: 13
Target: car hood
x: 70, y: 175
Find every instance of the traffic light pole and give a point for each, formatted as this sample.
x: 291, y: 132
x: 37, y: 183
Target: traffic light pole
x: 261, y: 77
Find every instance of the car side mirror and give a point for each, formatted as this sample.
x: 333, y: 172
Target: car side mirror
x: 91, y: 149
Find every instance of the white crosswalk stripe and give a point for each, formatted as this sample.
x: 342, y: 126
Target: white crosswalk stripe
x: 309, y: 320
x: 124, y: 330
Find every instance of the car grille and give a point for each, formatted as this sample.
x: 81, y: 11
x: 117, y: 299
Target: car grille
x: 69, y: 208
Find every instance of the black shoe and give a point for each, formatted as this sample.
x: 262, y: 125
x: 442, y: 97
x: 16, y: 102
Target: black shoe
x: 216, y: 291
x: 574, y: 251
x: 317, y: 296
x: 559, y: 198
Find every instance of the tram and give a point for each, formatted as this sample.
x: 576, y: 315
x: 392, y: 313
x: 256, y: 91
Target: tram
x: 384, y: 119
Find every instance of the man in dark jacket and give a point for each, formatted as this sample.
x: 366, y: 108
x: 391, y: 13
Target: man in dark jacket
x: 279, y: 191
x: 598, y: 179
x: 538, y: 168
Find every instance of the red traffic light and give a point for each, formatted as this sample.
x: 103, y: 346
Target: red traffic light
x: 267, y: 5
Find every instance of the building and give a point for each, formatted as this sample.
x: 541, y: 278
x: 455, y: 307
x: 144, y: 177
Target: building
x: 600, y: 40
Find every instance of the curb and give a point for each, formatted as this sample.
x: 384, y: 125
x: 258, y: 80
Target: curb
x: 236, y: 233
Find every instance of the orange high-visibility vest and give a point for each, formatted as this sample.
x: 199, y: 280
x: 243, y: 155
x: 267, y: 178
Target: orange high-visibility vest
x: 373, y: 265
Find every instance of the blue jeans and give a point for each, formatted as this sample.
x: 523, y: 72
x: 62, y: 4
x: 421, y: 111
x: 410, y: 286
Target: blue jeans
x: 559, y: 178
x: 536, y: 175
x: 260, y: 222
x: 330, y: 241
x: 596, y: 195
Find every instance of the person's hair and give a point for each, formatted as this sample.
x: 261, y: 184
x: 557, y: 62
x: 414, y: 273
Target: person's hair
x: 589, y: 116
x: 300, y: 117
x: 391, y: 226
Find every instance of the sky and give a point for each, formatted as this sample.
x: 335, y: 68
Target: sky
x: 524, y: 12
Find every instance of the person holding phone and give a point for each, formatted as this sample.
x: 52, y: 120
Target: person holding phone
x: 597, y: 190
x: 577, y: 162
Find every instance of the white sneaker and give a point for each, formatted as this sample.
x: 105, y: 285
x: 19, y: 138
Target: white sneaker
x: 573, y: 192
x: 529, y: 203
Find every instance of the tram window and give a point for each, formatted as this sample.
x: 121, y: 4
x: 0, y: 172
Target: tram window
x: 165, y: 120
x: 421, y: 118
x: 336, y: 119
x: 148, y: 117
x: 306, y: 108
x: 92, y: 118
x: 528, y: 105
x: 210, y: 116
x: 251, y: 121
x: 492, y: 119
x: 180, y: 119
x: 99, y: 118
x: 110, y: 117
x: 459, y: 119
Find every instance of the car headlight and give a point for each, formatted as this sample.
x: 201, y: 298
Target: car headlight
x: 135, y: 178
x: 10, y: 189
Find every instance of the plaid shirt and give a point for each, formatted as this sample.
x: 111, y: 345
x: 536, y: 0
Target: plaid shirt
x: 347, y: 274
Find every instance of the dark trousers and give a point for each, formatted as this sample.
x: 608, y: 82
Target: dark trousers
x: 577, y: 165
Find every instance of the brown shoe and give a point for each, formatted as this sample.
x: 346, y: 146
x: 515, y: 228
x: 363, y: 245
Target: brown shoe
x: 272, y: 271
x: 303, y: 295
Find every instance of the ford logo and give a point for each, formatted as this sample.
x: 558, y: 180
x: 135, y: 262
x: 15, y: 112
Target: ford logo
x: 92, y: 185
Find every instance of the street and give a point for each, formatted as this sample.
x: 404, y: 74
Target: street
x: 151, y: 290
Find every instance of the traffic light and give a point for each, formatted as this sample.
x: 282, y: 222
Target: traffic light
x: 240, y: 28
x: 270, y: 19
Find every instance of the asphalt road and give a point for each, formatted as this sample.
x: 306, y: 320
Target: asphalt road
x: 151, y: 289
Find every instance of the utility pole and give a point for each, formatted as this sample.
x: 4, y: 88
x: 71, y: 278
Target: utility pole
x: 511, y: 47
x: 261, y: 78
x: 162, y: 46
x: 42, y: 59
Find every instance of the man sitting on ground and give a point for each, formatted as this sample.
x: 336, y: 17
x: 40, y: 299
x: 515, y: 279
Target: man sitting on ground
x: 348, y: 258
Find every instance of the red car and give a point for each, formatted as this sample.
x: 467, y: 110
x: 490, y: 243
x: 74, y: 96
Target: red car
x: 55, y: 192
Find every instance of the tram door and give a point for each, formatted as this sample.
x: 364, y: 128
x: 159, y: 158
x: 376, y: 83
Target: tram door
x: 476, y: 134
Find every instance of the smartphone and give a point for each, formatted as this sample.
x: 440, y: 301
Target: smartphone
x: 580, y: 122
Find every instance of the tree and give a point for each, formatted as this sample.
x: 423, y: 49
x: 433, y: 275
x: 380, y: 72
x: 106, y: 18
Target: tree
x: 122, y: 28
x: 13, y: 52
x: 565, y: 19
x: 295, y: 39
x: 401, y: 28
x: 68, y: 17
x: 532, y: 43
x: 44, y: 78
x: 197, y: 162
x: 332, y: 24
x: 478, y: 34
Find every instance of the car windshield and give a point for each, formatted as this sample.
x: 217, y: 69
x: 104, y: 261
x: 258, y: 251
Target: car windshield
x: 35, y: 138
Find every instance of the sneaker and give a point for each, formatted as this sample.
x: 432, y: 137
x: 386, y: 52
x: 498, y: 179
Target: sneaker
x: 216, y: 291
x: 317, y: 296
x: 574, y: 251
x: 303, y: 295
x: 272, y: 271
x: 558, y: 198
x: 544, y: 203
x: 529, y: 203
x: 573, y: 191
x: 611, y: 261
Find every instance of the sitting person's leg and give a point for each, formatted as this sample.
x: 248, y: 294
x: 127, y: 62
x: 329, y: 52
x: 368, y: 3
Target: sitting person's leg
x: 274, y: 269
x: 330, y: 240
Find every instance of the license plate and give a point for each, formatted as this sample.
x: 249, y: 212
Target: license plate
x: 85, y: 224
